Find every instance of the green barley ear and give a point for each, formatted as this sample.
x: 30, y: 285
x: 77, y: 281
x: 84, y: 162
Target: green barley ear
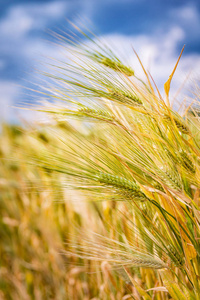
x: 179, y: 124
x: 95, y: 114
x: 187, y: 162
x: 130, y: 188
x: 116, y: 66
x: 176, y: 257
x: 171, y: 178
x: 158, y: 186
x: 124, y: 97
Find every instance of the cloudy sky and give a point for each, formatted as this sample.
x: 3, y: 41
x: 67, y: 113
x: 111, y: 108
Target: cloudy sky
x: 156, y: 29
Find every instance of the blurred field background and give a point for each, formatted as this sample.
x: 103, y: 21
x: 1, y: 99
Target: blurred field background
x: 39, y: 219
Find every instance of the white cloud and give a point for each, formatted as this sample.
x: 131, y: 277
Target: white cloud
x: 12, y: 112
x: 188, y: 18
x: 188, y: 13
x: 21, y: 19
x: 18, y: 44
x: 16, y: 24
x: 9, y: 91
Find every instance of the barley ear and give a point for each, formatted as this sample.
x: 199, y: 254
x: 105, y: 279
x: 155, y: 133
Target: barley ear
x: 116, y: 66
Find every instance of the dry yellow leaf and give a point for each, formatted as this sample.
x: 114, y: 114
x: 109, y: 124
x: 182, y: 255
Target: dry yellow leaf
x: 168, y: 82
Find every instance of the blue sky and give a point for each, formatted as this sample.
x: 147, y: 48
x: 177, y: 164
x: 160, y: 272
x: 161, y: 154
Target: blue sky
x: 156, y: 29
